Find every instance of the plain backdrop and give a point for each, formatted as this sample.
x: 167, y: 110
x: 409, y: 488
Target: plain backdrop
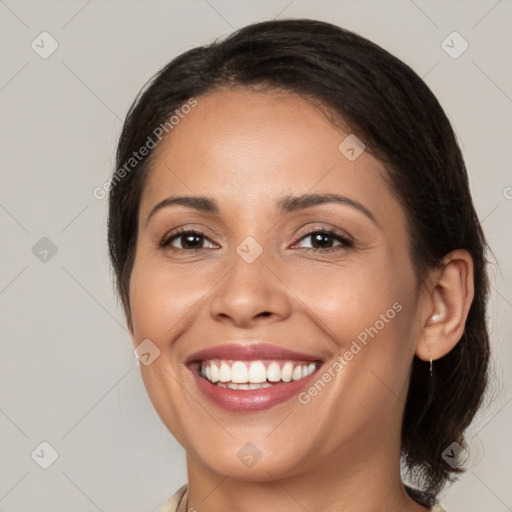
x: 68, y: 375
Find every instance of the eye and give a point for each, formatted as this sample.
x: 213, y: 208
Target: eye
x: 188, y: 239
x: 323, y: 239
x: 193, y: 240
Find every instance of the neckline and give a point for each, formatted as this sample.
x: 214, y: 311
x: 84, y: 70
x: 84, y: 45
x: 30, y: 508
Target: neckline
x: 420, y: 497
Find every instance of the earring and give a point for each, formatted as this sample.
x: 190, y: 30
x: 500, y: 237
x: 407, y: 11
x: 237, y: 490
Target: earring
x: 430, y: 353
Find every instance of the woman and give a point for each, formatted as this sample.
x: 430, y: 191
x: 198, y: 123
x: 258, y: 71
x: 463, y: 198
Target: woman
x: 302, y: 272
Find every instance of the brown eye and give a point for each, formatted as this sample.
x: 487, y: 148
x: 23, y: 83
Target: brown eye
x: 187, y: 240
x: 323, y: 239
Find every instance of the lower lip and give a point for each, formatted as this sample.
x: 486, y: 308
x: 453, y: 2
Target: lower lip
x: 251, y: 400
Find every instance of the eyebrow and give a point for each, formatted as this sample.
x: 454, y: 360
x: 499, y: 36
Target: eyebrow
x: 287, y: 204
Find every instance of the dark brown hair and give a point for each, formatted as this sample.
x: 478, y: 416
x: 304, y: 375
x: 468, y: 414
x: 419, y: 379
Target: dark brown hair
x: 387, y: 105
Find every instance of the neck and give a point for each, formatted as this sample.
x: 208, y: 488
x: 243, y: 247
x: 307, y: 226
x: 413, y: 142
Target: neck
x: 372, y: 485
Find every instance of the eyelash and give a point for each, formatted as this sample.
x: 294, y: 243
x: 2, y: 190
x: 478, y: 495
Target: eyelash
x: 346, y: 242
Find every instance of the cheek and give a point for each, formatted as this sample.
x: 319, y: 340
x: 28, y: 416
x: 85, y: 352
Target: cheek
x: 369, y: 312
x: 382, y: 327
x: 347, y: 300
x: 162, y: 299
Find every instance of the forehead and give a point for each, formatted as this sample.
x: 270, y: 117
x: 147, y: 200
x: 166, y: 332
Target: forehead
x: 247, y: 147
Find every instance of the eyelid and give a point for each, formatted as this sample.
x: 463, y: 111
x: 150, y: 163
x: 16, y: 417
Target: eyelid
x: 175, y: 234
x: 308, y: 231
x: 345, y: 240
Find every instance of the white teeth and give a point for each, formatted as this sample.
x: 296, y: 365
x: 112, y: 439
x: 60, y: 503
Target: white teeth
x: 224, y: 372
x: 232, y: 385
x: 259, y: 386
x: 286, y: 372
x: 257, y: 372
x: 239, y: 373
x: 253, y: 374
x: 214, y: 372
x: 273, y: 372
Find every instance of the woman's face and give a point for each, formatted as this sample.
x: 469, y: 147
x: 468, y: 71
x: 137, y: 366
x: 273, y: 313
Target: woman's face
x: 258, y: 274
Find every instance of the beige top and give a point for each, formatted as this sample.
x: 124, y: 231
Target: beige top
x: 181, y: 494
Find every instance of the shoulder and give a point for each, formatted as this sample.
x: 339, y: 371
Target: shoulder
x: 173, y: 504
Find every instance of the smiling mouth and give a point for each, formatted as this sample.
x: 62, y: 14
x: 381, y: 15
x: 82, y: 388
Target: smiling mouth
x: 248, y: 375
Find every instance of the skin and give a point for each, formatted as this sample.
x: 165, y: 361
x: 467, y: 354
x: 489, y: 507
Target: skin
x: 247, y: 149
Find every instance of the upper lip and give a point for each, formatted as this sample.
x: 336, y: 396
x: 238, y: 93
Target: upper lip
x: 252, y: 352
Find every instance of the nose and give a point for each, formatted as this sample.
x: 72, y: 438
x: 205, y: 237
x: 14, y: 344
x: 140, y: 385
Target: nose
x: 250, y: 293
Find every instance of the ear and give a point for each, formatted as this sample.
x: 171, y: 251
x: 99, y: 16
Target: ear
x: 446, y: 305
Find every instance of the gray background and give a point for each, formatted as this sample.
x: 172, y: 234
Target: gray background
x: 68, y: 375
